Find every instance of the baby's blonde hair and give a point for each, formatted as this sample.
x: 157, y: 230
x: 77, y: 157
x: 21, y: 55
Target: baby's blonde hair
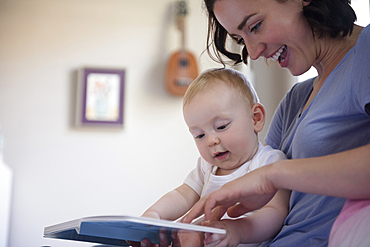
x: 232, y: 78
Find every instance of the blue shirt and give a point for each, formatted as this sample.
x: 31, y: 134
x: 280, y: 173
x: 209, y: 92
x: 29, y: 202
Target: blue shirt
x: 337, y: 119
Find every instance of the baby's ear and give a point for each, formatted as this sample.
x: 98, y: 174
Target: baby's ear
x: 258, y: 112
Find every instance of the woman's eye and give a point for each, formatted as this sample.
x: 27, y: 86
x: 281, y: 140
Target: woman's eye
x: 240, y: 42
x: 256, y: 27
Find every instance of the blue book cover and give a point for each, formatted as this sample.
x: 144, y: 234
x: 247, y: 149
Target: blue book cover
x: 115, y: 230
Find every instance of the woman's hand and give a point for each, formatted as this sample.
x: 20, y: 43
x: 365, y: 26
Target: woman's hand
x: 234, y: 232
x: 245, y: 194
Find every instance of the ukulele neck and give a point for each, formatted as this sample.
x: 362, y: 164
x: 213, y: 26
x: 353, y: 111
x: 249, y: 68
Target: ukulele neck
x: 181, y: 26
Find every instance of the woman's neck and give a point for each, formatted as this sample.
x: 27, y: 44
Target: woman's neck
x: 331, y: 52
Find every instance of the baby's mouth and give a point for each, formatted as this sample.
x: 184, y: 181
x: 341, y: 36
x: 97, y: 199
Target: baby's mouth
x: 280, y: 54
x: 221, y: 155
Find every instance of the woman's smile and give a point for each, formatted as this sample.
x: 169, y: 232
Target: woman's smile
x: 280, y: 55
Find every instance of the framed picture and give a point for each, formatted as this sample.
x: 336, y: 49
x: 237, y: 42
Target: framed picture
x: 100, y: 97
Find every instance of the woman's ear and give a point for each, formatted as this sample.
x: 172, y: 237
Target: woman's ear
x: 258, y: 114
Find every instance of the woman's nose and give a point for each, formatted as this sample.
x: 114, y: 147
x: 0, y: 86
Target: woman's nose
x: 254, y: 48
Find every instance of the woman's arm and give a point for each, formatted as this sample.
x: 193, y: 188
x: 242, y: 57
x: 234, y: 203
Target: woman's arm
x: 345, y: 174
x: 174, y: 204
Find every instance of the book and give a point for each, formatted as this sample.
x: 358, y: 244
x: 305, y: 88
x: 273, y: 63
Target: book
x: 117, y: 230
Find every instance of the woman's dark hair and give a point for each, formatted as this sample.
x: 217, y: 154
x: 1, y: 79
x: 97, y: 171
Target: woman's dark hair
x: 326, y: 17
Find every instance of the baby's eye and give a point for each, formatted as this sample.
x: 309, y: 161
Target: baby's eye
x: 199, y: 136
x: 222, y: 126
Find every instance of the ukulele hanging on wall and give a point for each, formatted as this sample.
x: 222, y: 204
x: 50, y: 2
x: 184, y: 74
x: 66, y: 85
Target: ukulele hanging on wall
x: 182, y: 67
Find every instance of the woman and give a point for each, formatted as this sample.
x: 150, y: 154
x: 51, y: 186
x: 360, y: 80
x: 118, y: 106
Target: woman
x: 322, y: 124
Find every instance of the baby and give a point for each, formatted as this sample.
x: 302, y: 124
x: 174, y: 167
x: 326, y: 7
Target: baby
x: 224, y: 116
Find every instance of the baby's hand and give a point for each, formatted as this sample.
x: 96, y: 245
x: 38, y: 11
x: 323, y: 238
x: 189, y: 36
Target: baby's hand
x: 187, y: 239
x: 146, y: 242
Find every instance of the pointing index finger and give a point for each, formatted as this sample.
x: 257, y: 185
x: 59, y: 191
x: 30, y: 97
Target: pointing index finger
x: 196, y: 211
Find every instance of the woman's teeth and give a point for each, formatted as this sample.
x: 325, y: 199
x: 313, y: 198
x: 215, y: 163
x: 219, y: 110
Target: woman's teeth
x: 276, y: 56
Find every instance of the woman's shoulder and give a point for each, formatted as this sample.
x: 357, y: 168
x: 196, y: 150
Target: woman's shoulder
x: 359, y: 56
x: 366, y: 31
x: 363, y: 40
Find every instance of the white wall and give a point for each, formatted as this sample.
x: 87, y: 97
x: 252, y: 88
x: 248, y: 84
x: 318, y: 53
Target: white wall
x: 62, y: 173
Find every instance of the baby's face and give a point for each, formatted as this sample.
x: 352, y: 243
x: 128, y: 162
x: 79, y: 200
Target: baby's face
x: 223, y: 127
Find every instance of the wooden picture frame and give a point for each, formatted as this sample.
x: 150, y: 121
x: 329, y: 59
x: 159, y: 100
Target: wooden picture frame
x: 100, y: 97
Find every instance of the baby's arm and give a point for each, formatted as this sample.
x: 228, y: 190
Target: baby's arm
x: 174, y: 204
x: 171, y: 206
x: 256, y: 228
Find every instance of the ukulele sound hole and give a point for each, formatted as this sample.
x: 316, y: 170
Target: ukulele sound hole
x: 183, y: 62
